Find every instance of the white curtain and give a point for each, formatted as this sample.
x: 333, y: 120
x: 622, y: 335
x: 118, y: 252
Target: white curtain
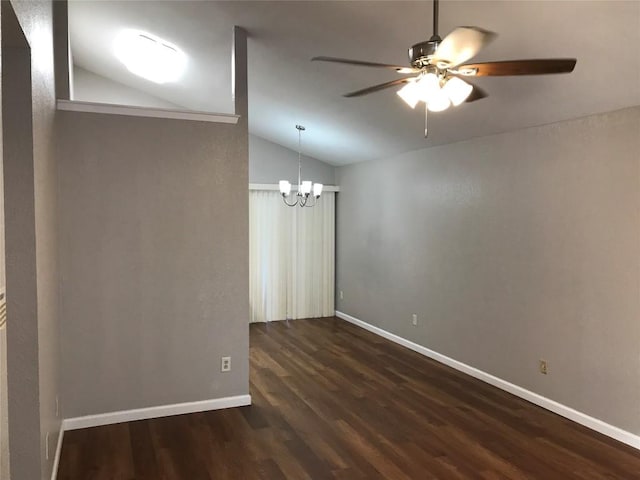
x: 291, y: 258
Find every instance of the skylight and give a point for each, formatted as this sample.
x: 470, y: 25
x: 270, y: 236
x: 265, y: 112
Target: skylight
x: 149, y: 56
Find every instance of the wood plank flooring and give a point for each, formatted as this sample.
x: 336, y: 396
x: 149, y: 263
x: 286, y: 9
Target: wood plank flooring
x: 332, y: 401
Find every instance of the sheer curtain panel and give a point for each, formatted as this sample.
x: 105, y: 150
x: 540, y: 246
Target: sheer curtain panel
x: 291, y: 258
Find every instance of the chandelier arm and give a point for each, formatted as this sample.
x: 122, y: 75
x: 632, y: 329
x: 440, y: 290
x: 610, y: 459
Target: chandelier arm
x: 284, y: 199
x: 315, y: 201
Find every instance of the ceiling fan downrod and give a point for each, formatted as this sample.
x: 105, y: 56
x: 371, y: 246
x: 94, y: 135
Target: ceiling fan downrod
x: 420, y: 53
x: 435, y: 20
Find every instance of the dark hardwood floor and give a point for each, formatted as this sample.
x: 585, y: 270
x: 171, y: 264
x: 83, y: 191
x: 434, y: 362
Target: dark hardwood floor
x: 331, y: 400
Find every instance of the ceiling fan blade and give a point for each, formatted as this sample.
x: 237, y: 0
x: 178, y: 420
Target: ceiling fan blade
x: 461, y: 45
x: 518, y: 67
x: 360, y: 63
x: 375, y: 88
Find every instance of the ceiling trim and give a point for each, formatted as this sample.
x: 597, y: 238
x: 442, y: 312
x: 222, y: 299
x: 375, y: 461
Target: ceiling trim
x: 91, y: 107
x: 275, y: 186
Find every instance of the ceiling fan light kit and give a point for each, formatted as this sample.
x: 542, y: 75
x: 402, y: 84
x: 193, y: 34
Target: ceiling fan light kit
x: 305, y: 187
x: 438, y: 65
x: 437, y: 93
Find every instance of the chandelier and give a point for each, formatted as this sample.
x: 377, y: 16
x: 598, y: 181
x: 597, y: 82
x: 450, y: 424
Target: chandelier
x: 304, y: 187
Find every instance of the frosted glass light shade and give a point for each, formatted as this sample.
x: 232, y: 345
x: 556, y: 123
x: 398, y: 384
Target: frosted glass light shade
x: 150, y: 57
x: 305, y: 188
x: 410, y: 93
x: 429, y: 86
x: 457, y: 90
x: 317, y: 189
x: 439, y: 101
x: 285, y: 187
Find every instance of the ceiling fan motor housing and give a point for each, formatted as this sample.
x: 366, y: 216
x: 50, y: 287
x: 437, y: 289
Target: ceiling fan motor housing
x: 420, y: 54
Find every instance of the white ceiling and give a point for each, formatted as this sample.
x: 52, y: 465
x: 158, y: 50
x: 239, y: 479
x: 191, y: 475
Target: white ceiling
x: 285, y: 88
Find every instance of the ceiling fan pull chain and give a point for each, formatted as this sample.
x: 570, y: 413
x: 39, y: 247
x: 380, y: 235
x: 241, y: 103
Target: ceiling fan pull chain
x: 426, y: 111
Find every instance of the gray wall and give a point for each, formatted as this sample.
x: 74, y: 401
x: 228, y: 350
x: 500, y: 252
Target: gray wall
x: 32, y: 415
x: 270, y: 163
x: 89, y: 87
x: 154, y: 234
x: 510, y: 248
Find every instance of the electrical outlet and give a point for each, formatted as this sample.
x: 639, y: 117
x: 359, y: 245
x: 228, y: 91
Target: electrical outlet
x: 414, y: 319
x: 341, y: 295
x: 543, y: 367
x: 57, y: 407
x: 225, y: 364
x: 46, y: 446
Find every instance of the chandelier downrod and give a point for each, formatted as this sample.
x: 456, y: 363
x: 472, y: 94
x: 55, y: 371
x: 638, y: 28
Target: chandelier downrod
x: 300, y: 129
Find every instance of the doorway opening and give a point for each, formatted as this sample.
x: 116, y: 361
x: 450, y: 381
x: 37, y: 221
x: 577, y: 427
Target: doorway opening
x: 291, y: 258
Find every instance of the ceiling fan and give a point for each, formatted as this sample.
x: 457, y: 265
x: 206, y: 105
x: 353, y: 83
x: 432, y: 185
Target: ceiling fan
x: 440, y: 76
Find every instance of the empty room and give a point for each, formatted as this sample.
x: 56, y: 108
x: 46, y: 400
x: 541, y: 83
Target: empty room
x: 264, y: 240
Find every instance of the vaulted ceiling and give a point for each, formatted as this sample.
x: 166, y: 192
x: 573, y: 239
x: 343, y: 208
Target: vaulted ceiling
x: 285, y: 88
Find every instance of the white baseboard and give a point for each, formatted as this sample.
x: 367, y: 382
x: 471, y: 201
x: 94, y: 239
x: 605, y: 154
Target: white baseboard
x: 155, y: 412
x: 551, y: 405
x: 56, y: 459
